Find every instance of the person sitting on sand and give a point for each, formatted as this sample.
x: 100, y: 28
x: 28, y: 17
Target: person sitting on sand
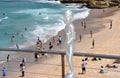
x: 102, y: 70
x: 96, y: 59
x: 111, y: 66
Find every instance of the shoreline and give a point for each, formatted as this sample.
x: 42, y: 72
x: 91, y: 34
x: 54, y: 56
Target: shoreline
x: 51, y: 60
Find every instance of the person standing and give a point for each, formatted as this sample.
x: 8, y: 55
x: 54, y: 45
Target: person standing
x: 4, y: 72
x: 110, y: 24
x: 50, y: 46
x: 23, y: 71
x: 83, y: 65
x: 17, y: 46
x: 93, y: 43
x: 59, y: 41
x: 80, y: 37
x: 8, y: 58
x: 24, y: 61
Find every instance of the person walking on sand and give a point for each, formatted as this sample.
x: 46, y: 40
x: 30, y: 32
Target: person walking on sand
x: 8, y: 58
x: 91, y: 33
x: 24, y: 61
x: 50, y: 46
x: 59, y: 41
x: 83, y: 65
x: 4, y: 72
x: 110, y: 24
x: 23, y: 71
x: 93, y: 43
x: 80, y: 37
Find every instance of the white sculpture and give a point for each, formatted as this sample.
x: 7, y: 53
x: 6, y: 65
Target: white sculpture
x: 70, y: 37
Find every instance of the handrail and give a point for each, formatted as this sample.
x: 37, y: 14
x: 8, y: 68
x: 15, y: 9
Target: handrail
x: 63, y: 53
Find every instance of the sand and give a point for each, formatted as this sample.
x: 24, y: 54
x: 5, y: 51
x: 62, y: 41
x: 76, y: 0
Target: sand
x: 106, y: 42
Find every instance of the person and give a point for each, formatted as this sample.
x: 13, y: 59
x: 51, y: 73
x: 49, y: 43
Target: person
x: 96, y: 58
x: 80, y: 37
x: 111, y: 66
x: 17, y: 46
x: 50, y: 46
x: 110, y: 24
x: 25, y: 29
x: 102, y: 70
x: 4, y: 72
x: 23, y: 71
x: 8, y: 57
x: 93, y: 43
x: 83, y: 65
x: 36, y: 56
x: 39, y: 13
x: 59, y: 41
x: 21, y: 65
x: 39, y: 43
x: 3, y: 14
x: 91, y: 33
x: 17, y: 33
x: 86, y: 58
x: 24, y: 61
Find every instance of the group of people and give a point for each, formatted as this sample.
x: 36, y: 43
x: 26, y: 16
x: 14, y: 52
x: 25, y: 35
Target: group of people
x: 102, y: 69
x: 22, y: 66
x: 51, y: 43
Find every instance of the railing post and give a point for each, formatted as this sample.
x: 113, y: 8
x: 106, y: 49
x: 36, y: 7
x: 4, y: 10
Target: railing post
x: 63, y: 65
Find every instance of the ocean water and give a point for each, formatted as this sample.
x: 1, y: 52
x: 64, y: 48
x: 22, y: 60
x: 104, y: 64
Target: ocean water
x: 40, y: 17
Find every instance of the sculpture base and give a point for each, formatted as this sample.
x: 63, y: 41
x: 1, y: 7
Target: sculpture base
x: 69, y: 75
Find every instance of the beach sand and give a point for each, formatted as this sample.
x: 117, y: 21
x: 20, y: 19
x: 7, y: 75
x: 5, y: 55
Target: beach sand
x: 106, y: 42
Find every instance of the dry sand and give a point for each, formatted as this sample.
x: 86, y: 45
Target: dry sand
x: 106, y: 42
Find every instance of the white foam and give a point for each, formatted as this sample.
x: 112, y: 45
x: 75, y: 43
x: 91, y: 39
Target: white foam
x: 81, y: 15
x: 46, y: 1
x: 36, y: 12
x: 46, y: 18
x: 46, y: 32
x: 30, y: 11
x: 3, y: 18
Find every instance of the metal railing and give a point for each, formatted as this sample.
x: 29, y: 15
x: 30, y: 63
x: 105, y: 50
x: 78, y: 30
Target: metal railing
x: 62, y: 53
